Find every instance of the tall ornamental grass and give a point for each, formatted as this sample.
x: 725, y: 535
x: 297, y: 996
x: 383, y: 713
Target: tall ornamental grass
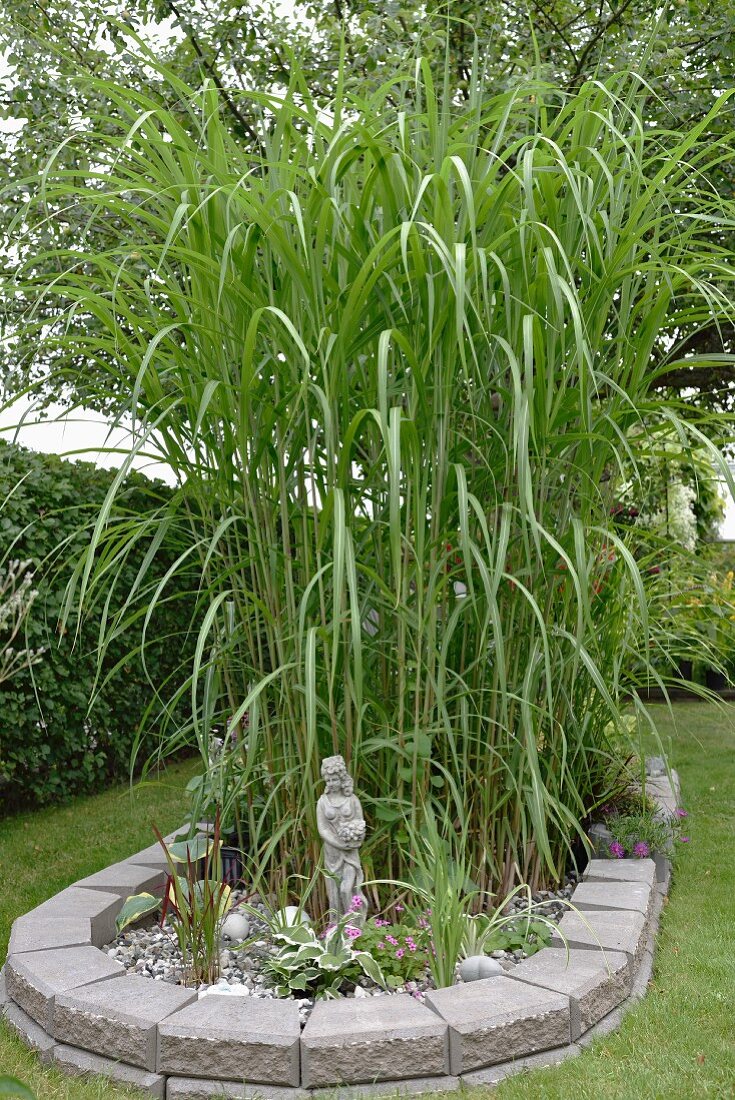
x: 394, y: 357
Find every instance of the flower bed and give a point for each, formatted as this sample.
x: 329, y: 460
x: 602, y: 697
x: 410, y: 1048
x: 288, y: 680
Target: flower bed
x: 80, y: 1009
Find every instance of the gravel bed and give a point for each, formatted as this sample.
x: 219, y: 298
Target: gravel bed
x: 151, y: 950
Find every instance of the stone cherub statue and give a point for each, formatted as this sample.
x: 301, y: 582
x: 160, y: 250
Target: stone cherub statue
x: 342, y: 828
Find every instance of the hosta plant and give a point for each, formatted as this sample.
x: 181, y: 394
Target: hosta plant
x: 307, y: 964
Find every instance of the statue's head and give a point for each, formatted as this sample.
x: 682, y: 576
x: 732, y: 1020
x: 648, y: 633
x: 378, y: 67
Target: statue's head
x: 334, y: 773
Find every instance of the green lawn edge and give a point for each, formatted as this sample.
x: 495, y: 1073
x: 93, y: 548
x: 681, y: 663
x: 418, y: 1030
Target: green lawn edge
x: 679, y: 1042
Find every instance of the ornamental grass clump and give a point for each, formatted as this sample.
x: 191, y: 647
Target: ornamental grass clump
x: 392, y: 352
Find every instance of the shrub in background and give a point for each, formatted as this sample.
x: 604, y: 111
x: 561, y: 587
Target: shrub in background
x: 51, y: 744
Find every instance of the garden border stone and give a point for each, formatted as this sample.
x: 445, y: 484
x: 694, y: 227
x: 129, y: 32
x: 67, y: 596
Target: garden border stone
x: 348, y: 1049
x: 36, y: 978
x: 77, y: 1062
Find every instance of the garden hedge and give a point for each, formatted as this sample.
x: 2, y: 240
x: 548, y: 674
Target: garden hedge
x: 52, y: 743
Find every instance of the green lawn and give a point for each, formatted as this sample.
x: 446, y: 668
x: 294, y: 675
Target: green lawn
x: 42, y: 852
x: 677, y: 1043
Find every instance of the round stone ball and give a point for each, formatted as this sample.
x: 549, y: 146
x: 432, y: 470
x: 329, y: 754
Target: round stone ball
x: 479, y: 966
x: 235, y: 929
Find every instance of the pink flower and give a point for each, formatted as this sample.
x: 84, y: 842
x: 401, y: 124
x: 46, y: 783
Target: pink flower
x: 400, y: 953
x: 356, y: 903
x: 381, y: 923
x: 410, y: 943
x: 393, y: 940
x: 616, y: 849
x: 398, y: 908
x: 352, y: 931
x: 641, y: 850
x: 680, y: 813
x: 380, y: 946
x: 684, y: 839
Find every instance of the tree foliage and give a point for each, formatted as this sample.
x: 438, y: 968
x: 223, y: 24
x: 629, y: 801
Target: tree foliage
x: 687, y: 49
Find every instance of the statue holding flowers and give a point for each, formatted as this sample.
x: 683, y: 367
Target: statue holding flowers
x: 342, y: 828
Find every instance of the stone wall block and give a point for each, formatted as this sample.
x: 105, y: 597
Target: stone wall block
x: 36, y: 978
x: 118, y: 1018
x: 210, y: 1037
x: 124, y: 879
x: 603, y: 896
x: 31, y: 1033
x: 372, y: 1039
x: 77, y: 1063
x: 595, y: 982
x: 611, y: 931
x: 498, y: 1018
x: 621, y: 870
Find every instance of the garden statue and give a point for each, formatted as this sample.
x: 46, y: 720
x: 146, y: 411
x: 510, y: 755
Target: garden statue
x: 342, y: 828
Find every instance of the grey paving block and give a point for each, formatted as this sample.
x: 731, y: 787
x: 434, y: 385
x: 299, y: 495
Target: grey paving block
x: 601, y: 896
x: 154, y: 856
x: 31, y: 1033
x: 375, y: 1039
x: 35, y: 932
x: 99, y: 907
x: 118, y: 1018
x: 595, y: 982
x: 621, y: 870
x: 495, y: 1074
x: 190, y: 1088
x: 211, y: 1036
x: 414, y: 1086
x: 608, y: 1023
x: 613, y: 931
x: 78, y: 1063
x: 495, y: 1019
x: 4, y: 996
x: 663, y: 872
x: 36, y: 978
x: 124, y: 879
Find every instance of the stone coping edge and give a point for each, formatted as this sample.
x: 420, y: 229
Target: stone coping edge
x: 348, y: 1049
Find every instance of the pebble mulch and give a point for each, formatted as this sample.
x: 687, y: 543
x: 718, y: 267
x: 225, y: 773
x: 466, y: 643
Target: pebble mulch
x: 152, y: 951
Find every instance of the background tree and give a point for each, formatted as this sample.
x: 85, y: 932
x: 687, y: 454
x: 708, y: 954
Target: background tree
x: 48, y: 45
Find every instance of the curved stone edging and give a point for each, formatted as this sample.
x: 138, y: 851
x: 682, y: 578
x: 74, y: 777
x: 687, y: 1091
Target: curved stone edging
x: 82, y: 1012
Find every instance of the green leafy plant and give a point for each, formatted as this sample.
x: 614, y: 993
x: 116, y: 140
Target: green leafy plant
x: 311, y: 965
x: 196, y: 903
x: 641, y: 833
x: 401, y: 947
x: 398, y: 434
x: 11, y: 1086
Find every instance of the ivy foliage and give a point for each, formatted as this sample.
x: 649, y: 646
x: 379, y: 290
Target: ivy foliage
x: 64, y: 728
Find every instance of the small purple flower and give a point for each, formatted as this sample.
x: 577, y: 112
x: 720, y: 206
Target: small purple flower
x: 616, y: 849
x: 393, y: 940
x: 381, y: 946
x: 398, y: 908
x: 410, y: 943
x: 684, y: 839
x: 400, y: 953
x: 680, y: 813
x: 356, y: 903
x: 379, y: 923
x: 352, y: 931
x: 641, y: 850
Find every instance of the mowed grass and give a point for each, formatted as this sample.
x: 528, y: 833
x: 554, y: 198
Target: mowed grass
x: 42, y: 852
x: 679, y: 1042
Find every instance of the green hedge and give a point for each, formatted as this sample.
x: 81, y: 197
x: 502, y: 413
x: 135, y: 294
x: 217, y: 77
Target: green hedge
x: 52, y: 745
